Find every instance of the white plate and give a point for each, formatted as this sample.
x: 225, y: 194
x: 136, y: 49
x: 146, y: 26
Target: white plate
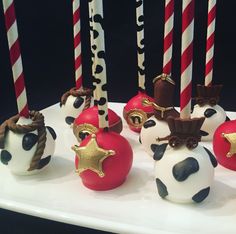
x: 134, y: 207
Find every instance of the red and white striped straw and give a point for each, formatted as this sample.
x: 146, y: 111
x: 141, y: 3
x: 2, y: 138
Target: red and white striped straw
x: 186, y: 58
x: 168, y: 36
x: 210, y: 42
x: 77, y: 43
x: 15, y: 56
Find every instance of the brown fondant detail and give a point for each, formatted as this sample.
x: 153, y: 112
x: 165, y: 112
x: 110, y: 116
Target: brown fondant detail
x: 37, y: 124
x: 164, y: 88
x: 184, y: 131
x: 208, y: 94
x: 77, y: 93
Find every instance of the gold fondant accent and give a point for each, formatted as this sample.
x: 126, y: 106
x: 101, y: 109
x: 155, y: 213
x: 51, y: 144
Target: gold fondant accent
x: 85, y: 128
x: 136, y: 118
x: 231, y: 138
x: 91, y: 157
x: 165, y: 77
x: 146, y: 102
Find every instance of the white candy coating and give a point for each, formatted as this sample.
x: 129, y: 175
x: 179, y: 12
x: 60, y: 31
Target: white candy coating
x: 21, y: 159
x: 68, y: 109
x: 148, y: 136
x: 212, y: 123
x: 182, y: 192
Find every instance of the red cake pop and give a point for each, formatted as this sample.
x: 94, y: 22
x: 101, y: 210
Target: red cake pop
x: 87, y: 123
x: 103, y: 161
x: 224, y: 144
x: 136, y: 113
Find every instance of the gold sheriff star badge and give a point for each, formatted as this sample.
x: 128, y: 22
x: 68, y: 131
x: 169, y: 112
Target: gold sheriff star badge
x: 91, y: 156
x: 231, y: 138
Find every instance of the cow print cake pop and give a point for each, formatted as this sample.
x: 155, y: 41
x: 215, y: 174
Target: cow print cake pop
x: 27, y: 145
x: 74, y: 102
x: 156, y: 126
x: 207, y: 99
x: 184, y: 170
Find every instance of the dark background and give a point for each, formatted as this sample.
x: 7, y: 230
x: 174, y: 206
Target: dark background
x: 45, y: 30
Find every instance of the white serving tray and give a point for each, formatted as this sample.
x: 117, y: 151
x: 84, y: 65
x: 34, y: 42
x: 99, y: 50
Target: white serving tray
x: 134, y: 207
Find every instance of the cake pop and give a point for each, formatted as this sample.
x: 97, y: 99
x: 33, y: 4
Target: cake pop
x: 224, y: 144
x: 207, y: 99
x: 103, y: 160
x: 27, y: 145
x: 136, y: 112
x: 184, y: 170
x: 74, y: 102
x: 87, y: 123
x: 156, y: 126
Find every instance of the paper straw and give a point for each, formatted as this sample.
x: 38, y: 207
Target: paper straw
x: 100, y: 64
x: 186, y: 58
x: 15, y: 56
x: 210, y: 42
x: 77, y: 43
x: 168, y: 36
x: 140, y: 43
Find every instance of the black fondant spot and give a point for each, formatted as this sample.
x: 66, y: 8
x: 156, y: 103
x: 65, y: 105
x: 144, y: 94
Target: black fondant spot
x: 182, y: 170
x: 96, y: 80
x: 94, y: 47
x: 101, y: 54
x: 149, y: 123
x: 142, y: 42
x: 29, y: 140
x: 159, y: 151
x: 98, y: 19
x: 43, y: 162
x: 78, y: 102
x: 140, y: 27
x: 227, y: 119
x: 95, y: 34
x: 69, y: 120
x: 102, y: 101
x: 141, y: 50
x: 98, y: 69
x: 83, y: 135
x: 153, y: 147
x: 139, y: 139
x: 106, y: 118
x: 5, y: 157
x: 209, y: 112
x: 141, y: 71
x: 162, y: 190
x: 200, y: 196
x: 60, y: 104
x: 203, y: 133
x: 141, y: 18
x: 212, y: 157
x: 101, y: 112
x: 104, y: 87
x: 139, y: 3
x: 52, y: 132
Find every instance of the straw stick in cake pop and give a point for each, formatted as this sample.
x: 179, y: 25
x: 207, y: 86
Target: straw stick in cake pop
x: 87, y: 122
x: 78, y: 98
x: 27, y: 145
x: 208, y: 95
x: 156, y: 126
x: 184, y: 170
x: 105, y: 158
x: 135, y: 113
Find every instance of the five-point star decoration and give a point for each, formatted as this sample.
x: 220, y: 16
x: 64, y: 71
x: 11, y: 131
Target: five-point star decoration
x: 231, y: 138
x: 91, y: 156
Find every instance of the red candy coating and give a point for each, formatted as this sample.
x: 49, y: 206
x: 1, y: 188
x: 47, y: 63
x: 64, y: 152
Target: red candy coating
x: 221, y: 146
x: 135, y: 103
x: 116, y: 167
x: 90, y: 116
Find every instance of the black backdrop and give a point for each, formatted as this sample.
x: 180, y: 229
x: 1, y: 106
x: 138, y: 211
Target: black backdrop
x: 45, y: 29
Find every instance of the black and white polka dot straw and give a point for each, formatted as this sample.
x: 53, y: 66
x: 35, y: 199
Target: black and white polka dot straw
x: 100, y: 75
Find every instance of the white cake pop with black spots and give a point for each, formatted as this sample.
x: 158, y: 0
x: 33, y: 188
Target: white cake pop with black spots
x: 74, y: 102
x: 156, y: 126
x: 207, y: 99
x: 27, y: 145
x: 184, y: 170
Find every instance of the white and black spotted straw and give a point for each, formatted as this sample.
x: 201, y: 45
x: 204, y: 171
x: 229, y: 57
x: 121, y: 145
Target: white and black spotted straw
x: 100, y: 75
x: 140, y: 43
x: 90, y: 7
